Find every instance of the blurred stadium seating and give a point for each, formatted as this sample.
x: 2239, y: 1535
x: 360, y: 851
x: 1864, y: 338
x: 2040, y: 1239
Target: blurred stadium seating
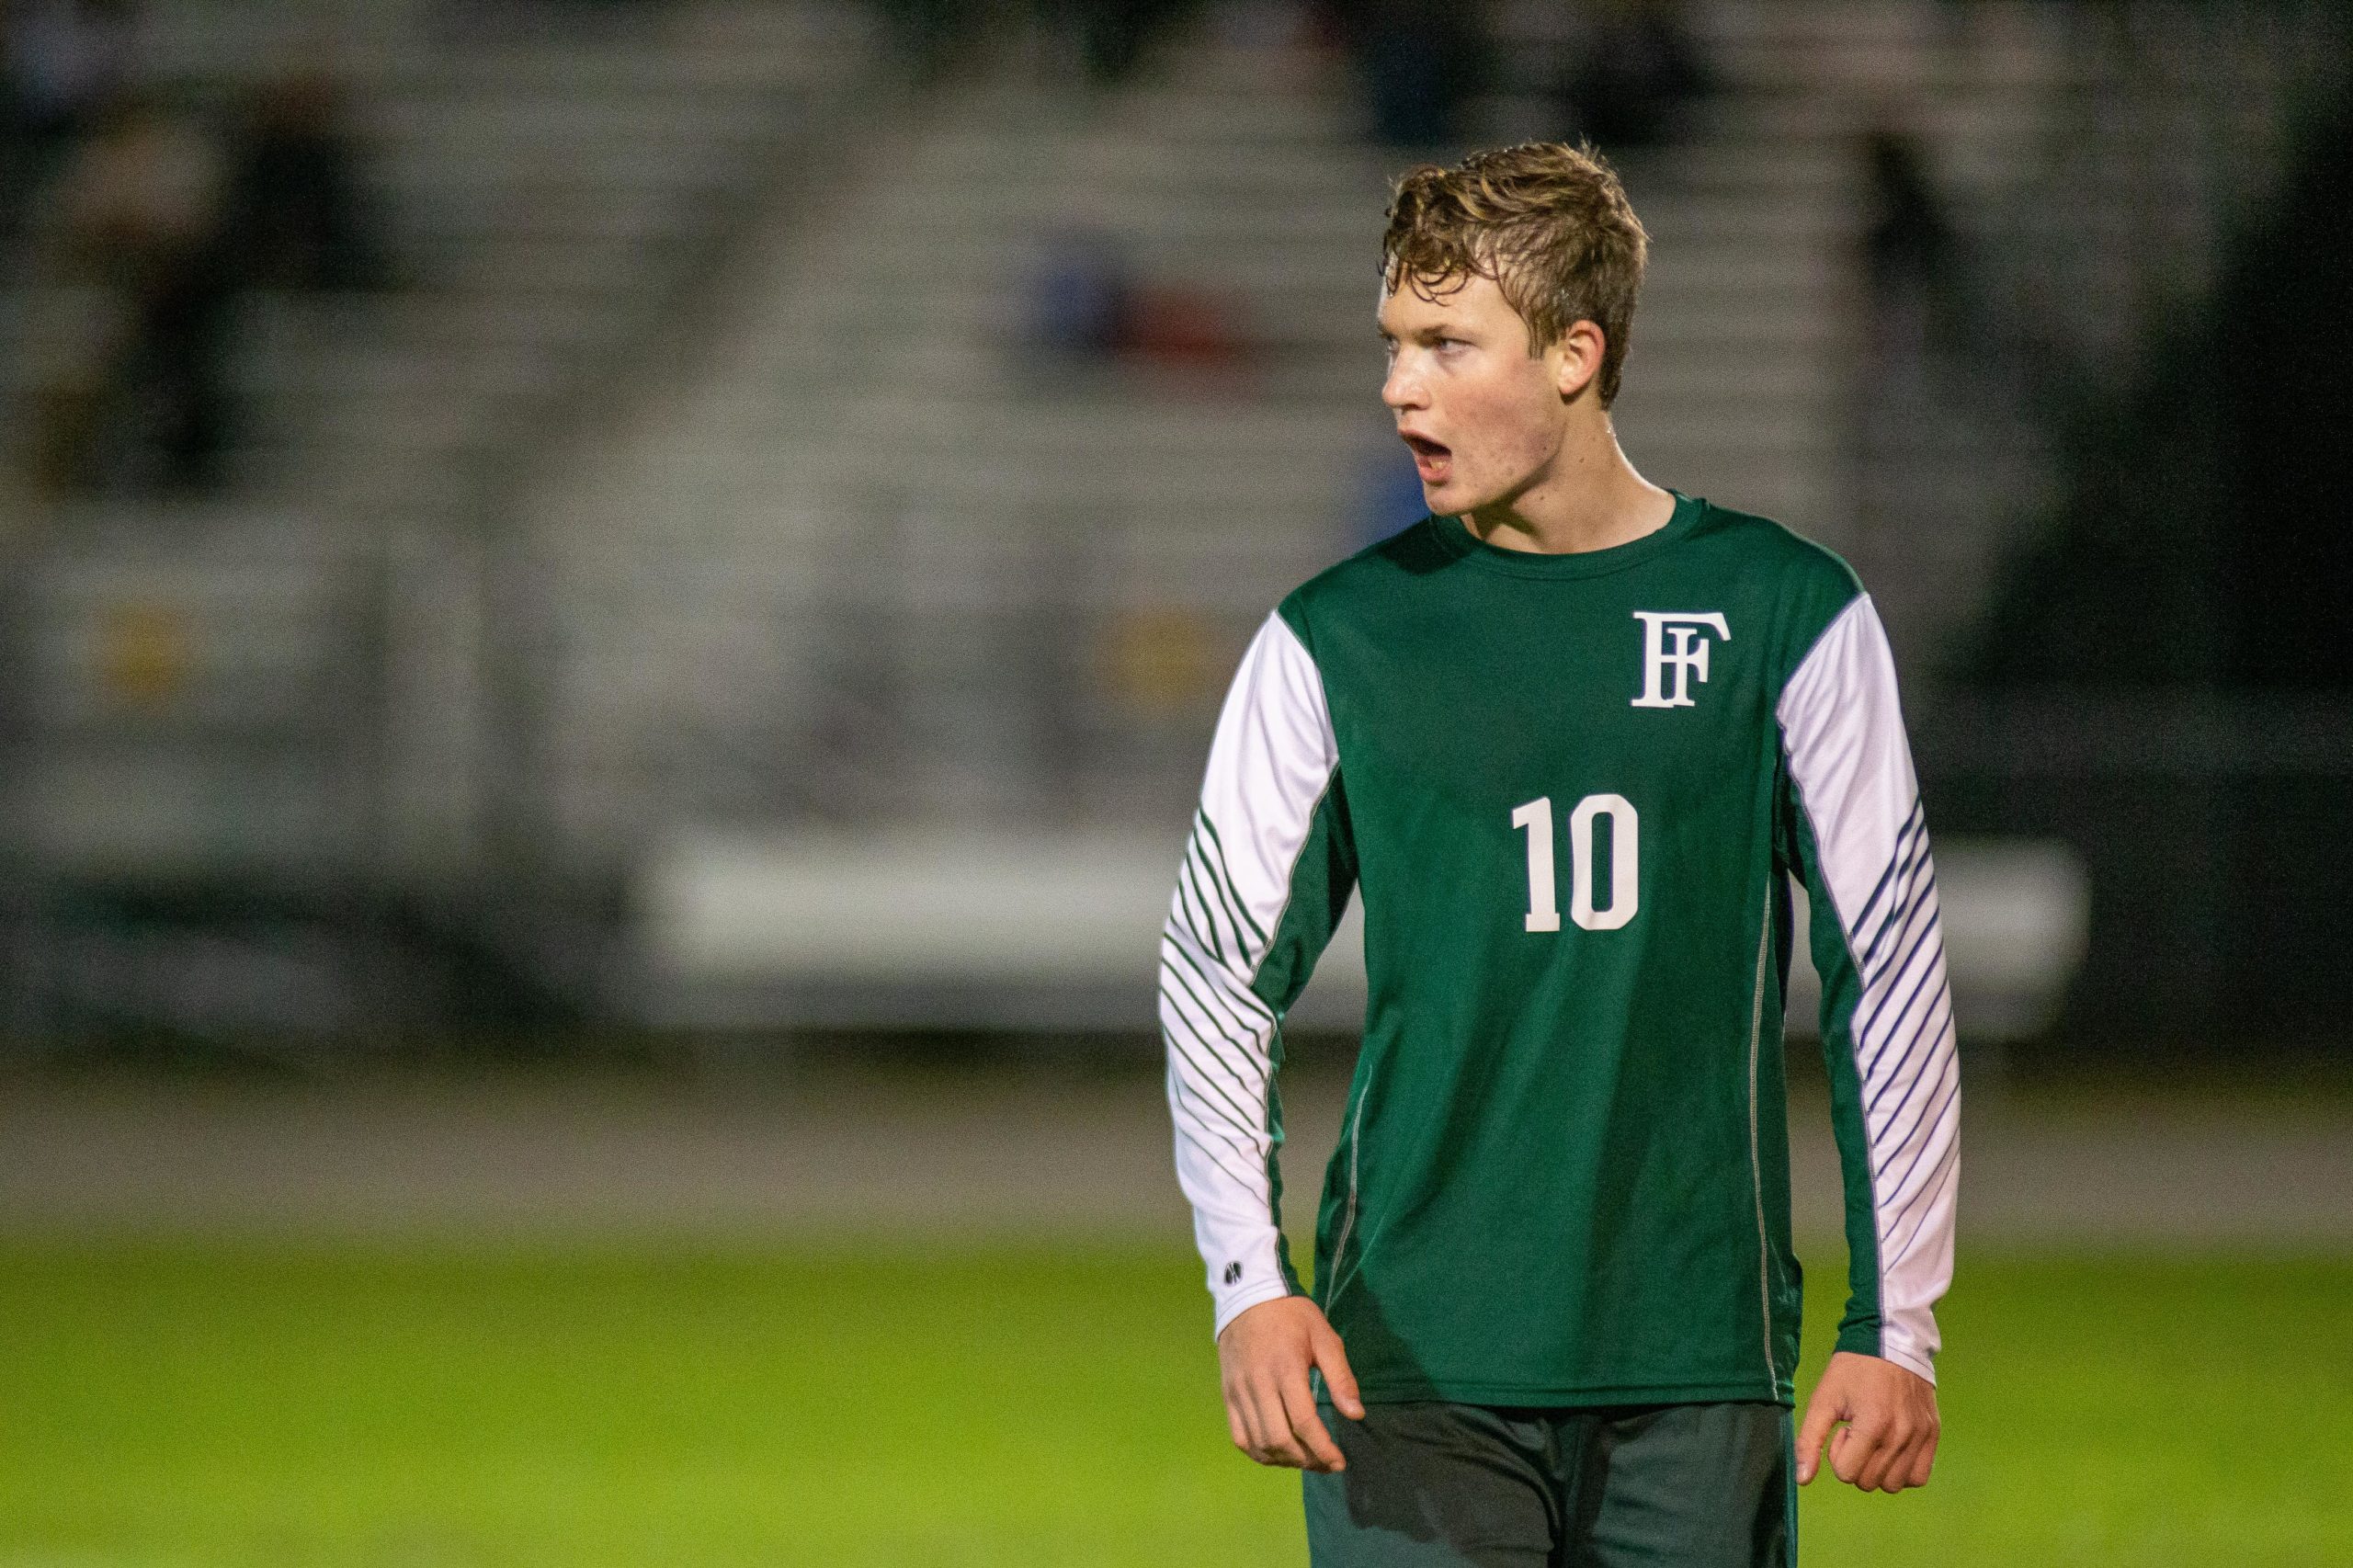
x: 707, y: 467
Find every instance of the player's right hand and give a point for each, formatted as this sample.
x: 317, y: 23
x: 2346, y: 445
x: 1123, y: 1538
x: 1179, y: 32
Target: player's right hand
x: 1263, y: 1358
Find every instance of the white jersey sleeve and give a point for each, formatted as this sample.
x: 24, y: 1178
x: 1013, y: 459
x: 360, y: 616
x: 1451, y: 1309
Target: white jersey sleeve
x: 1887, y: 1022
x: 1266, y: 873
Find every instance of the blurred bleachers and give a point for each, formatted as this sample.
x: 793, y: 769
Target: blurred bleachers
x: 863, y: 560
x: 545, y: 177
x: 873, y: 395
x: 713, y: 457
x: 265, y: 707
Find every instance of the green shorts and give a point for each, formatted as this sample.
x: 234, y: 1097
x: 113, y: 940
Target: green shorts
x: 1436, y: 1485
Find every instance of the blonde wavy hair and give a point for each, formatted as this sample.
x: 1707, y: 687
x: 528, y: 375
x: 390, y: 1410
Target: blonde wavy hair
x: 1549, y: 222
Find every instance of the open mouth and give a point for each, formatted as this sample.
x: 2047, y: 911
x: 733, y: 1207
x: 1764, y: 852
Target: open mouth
x: 1432, y: 459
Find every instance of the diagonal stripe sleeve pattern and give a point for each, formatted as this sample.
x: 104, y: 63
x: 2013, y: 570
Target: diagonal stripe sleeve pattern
x: 1257, y: 890
x: 1869, y: 871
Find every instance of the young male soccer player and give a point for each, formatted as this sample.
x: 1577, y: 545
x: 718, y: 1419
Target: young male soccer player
x: 1569, y: 736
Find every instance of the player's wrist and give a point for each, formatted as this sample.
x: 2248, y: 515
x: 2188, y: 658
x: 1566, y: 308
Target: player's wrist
x: 1862, y: 1340
x: 1902, y: 1361
x: 1230, y: 1309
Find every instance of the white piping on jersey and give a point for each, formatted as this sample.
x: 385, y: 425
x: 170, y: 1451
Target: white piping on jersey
x: 1348, y: 1215
x: 1756, y: 1162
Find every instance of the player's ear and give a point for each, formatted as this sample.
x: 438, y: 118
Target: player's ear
x: 1575, y: 358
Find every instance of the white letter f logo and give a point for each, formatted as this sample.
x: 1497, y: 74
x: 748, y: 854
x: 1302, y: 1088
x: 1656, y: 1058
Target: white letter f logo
x: 1687, y: 658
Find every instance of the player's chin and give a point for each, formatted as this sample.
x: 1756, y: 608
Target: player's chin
x: 1449, y: 498
x: 1459, y: 494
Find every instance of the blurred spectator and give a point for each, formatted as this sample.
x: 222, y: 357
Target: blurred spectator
x: 1103, y: 40
x: 1639, y: 71
x: 1079, y: 301
x: 1110, y: 37
x: 142, y: 400
x: 1422, y: 62
x: 933, y: 34
x: 295, y: 201
x: 1909, y: 246
x: 163, y: 223
x: 1179, y: 327
x: 60, y: 62
x: 1088, y: 309
x: 463, y: 23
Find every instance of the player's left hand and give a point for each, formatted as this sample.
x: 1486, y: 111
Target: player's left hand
x: 1886, y: 1421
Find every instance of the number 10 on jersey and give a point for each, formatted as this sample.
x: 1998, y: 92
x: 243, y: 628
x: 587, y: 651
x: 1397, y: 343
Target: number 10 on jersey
x: 1625, y: 866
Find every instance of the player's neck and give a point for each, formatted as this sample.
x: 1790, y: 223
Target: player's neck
x: 1589, y: 497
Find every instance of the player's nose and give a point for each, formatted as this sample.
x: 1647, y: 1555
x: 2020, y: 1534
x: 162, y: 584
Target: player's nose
x: 1401, y: 389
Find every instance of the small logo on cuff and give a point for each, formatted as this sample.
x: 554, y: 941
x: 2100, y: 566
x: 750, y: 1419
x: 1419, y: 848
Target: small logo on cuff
x: 1232, y: 1272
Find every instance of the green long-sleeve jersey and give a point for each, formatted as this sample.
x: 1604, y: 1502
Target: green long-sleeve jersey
x: 1574, y: 791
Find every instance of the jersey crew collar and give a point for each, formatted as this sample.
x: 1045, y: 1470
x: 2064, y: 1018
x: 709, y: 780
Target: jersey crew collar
x: 1454, y: 536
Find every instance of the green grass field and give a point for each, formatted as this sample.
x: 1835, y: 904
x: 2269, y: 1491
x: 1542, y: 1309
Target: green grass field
x: 203, y: 1405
